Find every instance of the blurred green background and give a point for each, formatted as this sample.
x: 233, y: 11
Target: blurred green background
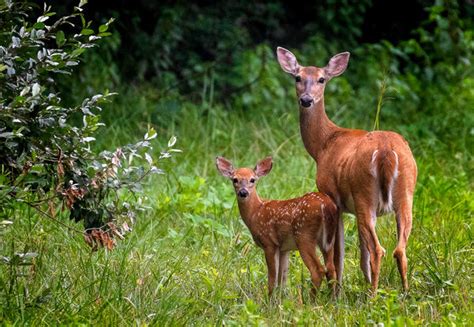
x: 167, y: 55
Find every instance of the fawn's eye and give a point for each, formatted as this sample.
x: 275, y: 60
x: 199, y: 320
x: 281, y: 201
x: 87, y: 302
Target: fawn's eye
x: 298, y: 79
x: 235, y: 180
x: 321, y: 80
x: 252, y: 180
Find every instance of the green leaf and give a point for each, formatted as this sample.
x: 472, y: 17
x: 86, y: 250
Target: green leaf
x: 18, y: 100
x: 60, y: 38
x: 39, y: 26
x: 77, y: 52
x: 103, y: 28
x: 87, y: 31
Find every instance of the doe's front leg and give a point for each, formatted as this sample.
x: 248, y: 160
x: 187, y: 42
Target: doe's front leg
x: 272, y: 257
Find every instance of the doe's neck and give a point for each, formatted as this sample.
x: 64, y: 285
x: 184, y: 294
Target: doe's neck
x: 316, y: 128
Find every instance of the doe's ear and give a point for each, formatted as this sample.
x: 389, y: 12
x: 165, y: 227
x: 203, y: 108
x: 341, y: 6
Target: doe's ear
x: 287, y: 61
x: 337, y: 64
x: 224, y: 166
x: 263, y: 167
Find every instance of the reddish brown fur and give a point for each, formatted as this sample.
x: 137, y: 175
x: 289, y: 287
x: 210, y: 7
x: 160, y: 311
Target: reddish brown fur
x: 282, y: 226
x: 386, y: 167
x: 361, y: 171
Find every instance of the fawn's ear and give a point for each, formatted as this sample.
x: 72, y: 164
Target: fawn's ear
x: 337, y: 64
x: 224, y: 166
x: 263, y: 167
x: 287, y: 61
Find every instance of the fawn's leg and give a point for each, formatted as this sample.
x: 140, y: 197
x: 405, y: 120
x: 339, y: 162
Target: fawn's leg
x: 330, y: 269
x: 308, y: 254
x: 272, y: 258
x: 283, y: 267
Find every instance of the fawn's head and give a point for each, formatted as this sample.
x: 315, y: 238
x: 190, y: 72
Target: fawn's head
x: 310, y: 80
x: 244, y: 179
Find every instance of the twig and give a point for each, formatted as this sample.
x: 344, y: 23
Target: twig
x: 54, y: 219
x: 383, y: 89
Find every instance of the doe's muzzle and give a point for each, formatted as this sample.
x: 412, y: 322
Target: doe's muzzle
x: 306, y: 101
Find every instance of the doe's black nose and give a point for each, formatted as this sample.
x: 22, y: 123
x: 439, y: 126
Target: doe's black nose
x: 306, y: 101
x: 243, y: 193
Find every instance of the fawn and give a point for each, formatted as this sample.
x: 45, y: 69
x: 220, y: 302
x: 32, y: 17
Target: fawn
x: 281, y: 226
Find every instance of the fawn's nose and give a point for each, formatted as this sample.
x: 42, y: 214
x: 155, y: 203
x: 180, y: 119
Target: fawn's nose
x: 243, y: 193
x: 306, y: 101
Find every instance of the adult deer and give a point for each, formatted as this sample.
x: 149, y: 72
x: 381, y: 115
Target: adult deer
x: 365, y: 173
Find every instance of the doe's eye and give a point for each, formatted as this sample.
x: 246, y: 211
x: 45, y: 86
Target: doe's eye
x: 321, y: 80
x: 252, y: 180
x: 298, y: 79
x: 235, y: 180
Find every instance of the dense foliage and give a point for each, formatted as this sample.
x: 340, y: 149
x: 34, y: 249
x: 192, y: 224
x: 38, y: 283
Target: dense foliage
x: 175, y: 41
x: 46, y: 160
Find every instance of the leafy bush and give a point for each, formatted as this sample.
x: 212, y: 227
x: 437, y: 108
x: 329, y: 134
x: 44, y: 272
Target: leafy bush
x: 46, y: 160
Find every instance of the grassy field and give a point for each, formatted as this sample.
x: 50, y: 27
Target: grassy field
x: 191, y: 261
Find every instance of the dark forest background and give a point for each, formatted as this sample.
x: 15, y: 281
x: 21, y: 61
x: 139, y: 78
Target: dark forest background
x: 160, y: 41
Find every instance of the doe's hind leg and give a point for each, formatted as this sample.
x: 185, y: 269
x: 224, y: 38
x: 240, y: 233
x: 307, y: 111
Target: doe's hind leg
x: 366, y: 219
x: 403, y: 214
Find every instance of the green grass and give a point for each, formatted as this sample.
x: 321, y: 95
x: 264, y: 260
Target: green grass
x: 191, y: 260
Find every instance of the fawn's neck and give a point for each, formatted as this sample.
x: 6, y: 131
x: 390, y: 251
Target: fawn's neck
x: 316, y: 129
x: 248, y: 207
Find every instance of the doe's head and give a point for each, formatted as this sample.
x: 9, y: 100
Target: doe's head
x: 244, y: 179
x: 311, y: 80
